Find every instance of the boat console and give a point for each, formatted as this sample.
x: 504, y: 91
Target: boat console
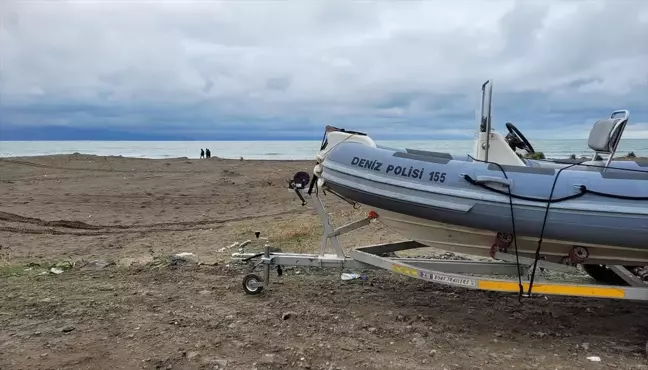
x: 492, y: 146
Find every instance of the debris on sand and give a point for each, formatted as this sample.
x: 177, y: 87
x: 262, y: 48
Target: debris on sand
x: 215, y: 364
x: 178, y: 259
x: 349, y: 276
x: 97, y: 264
x: 184, y: 257
x: 185, y: 254
x: 287, y: 315
x: 64, y: 265
x: 271, y: 359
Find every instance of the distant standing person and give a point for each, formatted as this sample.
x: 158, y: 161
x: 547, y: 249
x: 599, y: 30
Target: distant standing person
x: 202, y: 153
x: 208, y: 153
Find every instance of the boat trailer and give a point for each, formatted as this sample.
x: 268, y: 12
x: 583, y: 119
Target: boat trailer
x: 509, y: 273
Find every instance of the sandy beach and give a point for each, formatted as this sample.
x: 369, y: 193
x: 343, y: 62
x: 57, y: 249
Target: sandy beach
x: 147, y: 311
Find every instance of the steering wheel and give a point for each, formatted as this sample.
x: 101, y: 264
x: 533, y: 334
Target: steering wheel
x: 517, y: 140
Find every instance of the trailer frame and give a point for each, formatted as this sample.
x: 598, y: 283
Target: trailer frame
x: 465, y: 274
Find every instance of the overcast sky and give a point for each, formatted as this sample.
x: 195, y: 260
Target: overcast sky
x: 287, y: 68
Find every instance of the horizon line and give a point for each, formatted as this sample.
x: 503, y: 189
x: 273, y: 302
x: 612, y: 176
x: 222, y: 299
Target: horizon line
x: 274, y: 139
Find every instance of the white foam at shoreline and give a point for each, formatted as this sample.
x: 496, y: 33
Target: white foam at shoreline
x: 280, y: 150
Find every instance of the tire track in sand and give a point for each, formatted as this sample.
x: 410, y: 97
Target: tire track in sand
x: 39, y: 165
x: 52, y: 231
x: 85, y: 229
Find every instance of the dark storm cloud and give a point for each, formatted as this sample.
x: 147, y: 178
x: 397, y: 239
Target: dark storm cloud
x: 288, y: 68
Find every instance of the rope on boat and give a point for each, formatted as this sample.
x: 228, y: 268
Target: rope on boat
x: 582, y: 164
x: 517, y: 257
x: 614, y: 196
x: 583, y: 190
x: 544, y: 223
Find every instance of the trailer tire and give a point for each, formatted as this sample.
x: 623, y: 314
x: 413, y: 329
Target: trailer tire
x: 252, y: 278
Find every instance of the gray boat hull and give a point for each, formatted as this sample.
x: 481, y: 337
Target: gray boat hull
x: 438, y: 187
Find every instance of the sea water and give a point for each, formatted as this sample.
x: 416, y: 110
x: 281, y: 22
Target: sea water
x: 277, y: 149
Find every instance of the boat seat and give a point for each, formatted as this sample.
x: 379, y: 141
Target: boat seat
x: 604, y: 135
x: 603, y: 138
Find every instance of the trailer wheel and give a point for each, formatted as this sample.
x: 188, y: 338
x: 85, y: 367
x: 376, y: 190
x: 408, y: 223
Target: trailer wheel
x: 249, y: 282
